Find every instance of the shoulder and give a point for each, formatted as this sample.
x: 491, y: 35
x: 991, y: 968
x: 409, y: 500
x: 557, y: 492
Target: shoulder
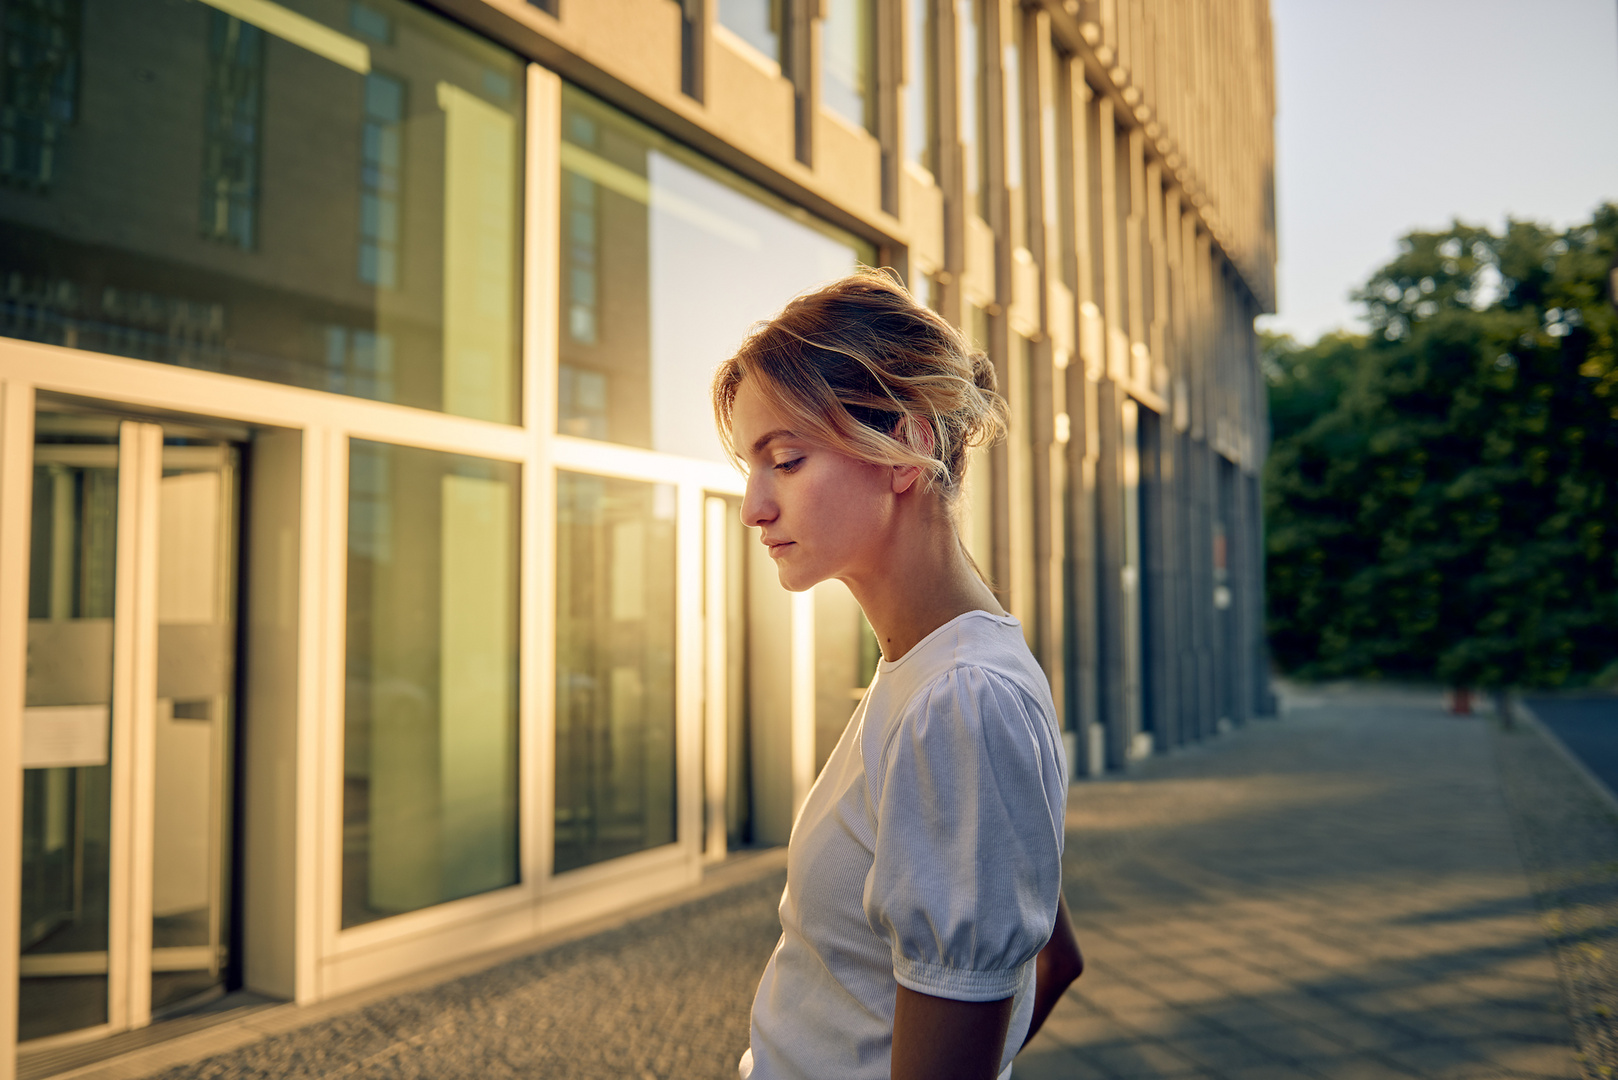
x: 975, y: 697
x: 979, y: 658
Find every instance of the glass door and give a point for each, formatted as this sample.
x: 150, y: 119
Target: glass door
x: 128, y: 723
x: 727, y: 775
x: 67, y: 835
x: 193, y: 725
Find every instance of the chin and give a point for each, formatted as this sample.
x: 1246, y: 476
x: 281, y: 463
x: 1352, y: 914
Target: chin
x: 794, y: 581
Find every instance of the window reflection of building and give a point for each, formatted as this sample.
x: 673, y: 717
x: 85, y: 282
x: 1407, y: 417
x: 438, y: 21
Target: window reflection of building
x: 667, y: 259
x: 153, y: 101
x: 848, y: 49
x: 370, y: 22
x: 232, y: 131
x: 430, y: 715
x: 582, y: 238
x: 380, y: 161
x: 969, y: 81
x: 921, y: 87
x: 757, y: 22
x: 359, y: 362
x: 39, y: 75
x: 615, y: 708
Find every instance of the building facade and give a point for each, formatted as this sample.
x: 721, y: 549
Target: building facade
x: 372, y: 586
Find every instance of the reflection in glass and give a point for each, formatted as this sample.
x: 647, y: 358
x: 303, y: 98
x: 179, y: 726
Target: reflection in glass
x: 371, y: 248
x: 39, y: 82
x: 195, y: 721
x: 615, y: 594
x: 67, y: 775
x: 977, y: 517
x: 969, y: 32
x: 757, y: 22
x: 738, y: 548
x: 848, y: 53
x: 667, y: 260
x: 921, y: 287
x: 921, y: 91
x: 232, y: 133
x: 381, y: 154
x: 1022, y: 491
x: 840, y: 659
x: 430, y: 725
x: 1014, y: 103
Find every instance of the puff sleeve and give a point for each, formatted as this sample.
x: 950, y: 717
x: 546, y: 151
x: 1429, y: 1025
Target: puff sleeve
x: 969, y: 798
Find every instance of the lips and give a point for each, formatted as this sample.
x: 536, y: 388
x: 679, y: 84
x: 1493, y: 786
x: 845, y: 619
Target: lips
x: 778, y: 547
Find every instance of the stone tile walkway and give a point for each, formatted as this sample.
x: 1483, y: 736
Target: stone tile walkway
x: 1335, y: 895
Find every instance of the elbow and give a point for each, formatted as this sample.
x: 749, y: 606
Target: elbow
x: 1060, y: 968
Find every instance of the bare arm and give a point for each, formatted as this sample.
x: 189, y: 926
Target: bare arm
x: 935, y: 1038
x: 1059, y: 963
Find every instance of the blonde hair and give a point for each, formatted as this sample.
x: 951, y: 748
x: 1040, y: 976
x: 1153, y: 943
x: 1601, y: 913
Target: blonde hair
x: 861, y: 367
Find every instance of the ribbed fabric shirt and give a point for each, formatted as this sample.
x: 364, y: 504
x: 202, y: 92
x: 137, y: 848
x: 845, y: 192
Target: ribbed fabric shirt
x: 928, y: 854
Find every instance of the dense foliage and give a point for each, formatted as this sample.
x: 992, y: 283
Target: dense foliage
x: 1442, y: 494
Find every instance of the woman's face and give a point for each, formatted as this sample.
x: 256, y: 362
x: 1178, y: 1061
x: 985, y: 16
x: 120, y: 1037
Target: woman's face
x: 821, y: 513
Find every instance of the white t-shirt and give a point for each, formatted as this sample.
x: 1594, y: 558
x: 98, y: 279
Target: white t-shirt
x: 928, y: 853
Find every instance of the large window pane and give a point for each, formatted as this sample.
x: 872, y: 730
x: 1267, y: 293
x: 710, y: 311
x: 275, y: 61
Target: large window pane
x: 848, y: 49
x: 757, y: 22
x: 614, y: 668
x: 667, y: 259
x: 430, y: 727
x: 921, y: 85
x: 973, y: 110
x: 67, y: 713
x: 319, y: 194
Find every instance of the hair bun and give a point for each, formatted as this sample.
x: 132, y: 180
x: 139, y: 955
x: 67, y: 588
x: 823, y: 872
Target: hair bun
x: 983, y: 376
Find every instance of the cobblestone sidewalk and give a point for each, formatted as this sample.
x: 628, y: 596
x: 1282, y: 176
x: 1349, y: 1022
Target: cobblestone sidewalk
x: 1338, y: 895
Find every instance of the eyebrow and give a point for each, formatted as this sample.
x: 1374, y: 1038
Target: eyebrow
x: 770, y: 436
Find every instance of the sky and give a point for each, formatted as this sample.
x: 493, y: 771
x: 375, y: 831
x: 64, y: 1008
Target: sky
x: 1394, y: 115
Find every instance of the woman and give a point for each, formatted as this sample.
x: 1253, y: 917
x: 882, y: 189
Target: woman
x: 923, y: 934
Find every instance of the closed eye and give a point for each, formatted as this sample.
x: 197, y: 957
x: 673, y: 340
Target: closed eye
x: 789, y: 466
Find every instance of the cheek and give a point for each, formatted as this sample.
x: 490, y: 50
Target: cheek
x: 851, y: 500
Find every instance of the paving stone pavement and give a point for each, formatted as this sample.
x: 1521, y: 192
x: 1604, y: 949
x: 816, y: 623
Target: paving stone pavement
x: 1336, y: 895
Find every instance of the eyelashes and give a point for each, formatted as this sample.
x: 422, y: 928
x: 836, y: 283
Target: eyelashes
x: 789, y: 466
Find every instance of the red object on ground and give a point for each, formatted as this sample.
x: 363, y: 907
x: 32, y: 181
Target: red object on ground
x: 1460, y: 701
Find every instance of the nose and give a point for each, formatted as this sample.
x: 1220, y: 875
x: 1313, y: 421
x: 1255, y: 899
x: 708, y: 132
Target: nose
x: 758, y: 508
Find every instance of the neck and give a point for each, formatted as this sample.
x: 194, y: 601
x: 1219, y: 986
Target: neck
x: 922, y: 583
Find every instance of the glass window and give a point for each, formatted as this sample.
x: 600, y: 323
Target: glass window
x: 430, y: 724
x: 67, y: 710
x: 921, y: 287
x: 39, y: 84
x: 359, y: 170
x: 231, y: 131
x: 848, y: 55
x: 381, y: 154
x: 667, y: 260
x: 978, y: 516
x: 921, y: 83
x: 614, y: 668
x: 969, y: 29
x: 1014, y: 102
x: 757, y: 22
x: 840, y: 665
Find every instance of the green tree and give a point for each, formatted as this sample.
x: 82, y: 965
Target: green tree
x: 1442, y: 495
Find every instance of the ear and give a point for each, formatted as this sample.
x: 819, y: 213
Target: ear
x: 905, y: 477
x: 918, y: 437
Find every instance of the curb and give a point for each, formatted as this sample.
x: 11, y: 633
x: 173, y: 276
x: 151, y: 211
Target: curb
x: 1594, y: 782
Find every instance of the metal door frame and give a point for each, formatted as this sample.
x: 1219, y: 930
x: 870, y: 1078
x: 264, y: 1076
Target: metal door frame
x: 130, y: 959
